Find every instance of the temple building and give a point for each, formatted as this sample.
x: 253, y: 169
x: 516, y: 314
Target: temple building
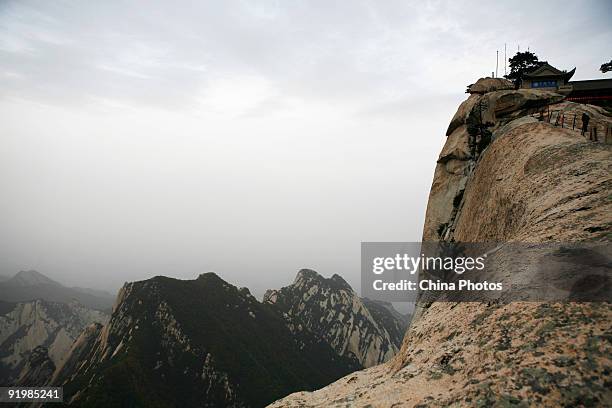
x: 547, y: 77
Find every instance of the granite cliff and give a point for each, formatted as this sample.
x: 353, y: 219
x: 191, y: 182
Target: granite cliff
x: 515, y: 168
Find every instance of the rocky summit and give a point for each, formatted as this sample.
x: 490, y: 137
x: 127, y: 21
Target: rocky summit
x: 515, y: 168
x: 368, y: 332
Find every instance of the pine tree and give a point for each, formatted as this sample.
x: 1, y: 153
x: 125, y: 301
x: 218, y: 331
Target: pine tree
x: 521, y: 63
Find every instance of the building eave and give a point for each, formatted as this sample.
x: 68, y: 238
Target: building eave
x: 554, y: 72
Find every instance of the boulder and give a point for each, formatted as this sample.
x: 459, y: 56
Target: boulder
x: 485, y: 85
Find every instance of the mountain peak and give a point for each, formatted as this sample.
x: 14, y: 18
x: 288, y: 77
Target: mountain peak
x: 209, y: 276
x: 31, y: 278
x: 304, y: 274
x: 310, y: 277
x: 29, y: 285
x: 316, y: 304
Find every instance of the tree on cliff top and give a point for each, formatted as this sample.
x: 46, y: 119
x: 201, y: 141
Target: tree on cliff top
x: 521, y: 63
x: 606, y: 67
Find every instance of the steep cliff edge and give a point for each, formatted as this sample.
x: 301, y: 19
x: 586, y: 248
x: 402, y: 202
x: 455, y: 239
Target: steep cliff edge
x: 506, y: 173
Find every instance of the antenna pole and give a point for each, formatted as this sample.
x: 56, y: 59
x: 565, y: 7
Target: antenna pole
x: 496, y: 62
x: 505, y: 59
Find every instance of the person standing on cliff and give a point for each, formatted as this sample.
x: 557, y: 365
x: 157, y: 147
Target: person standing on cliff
x: 585, y: 123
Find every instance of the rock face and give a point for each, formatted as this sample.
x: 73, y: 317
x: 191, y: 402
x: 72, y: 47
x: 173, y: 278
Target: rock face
x: 30, y: 329
x: 26, y: 286
x: 194, y: 343
x: 478, y: 121
x: 364, y: 331
x: 505, y: 174
x: 385, y: 315
x: 81, y: 350
x: 38, y: 368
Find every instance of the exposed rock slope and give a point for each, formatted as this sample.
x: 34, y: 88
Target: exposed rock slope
x: 39, y: 327
x: 385, y: 315
x: 194, y: 343
x: 38, y: 368
x: 503, y: 175
x: 363, y: 330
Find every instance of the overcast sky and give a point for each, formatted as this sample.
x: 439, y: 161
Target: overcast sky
x: 242, y: 137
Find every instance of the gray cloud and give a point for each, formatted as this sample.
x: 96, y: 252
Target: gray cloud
x: 248, y: 138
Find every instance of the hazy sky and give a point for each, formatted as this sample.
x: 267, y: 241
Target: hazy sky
x: 242, y: 137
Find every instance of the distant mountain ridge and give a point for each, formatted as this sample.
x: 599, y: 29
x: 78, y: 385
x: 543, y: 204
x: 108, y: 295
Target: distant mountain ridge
x: 30, y: 278
x: 205, y: 342
x: 202, y: 342
x: 30, y: 285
